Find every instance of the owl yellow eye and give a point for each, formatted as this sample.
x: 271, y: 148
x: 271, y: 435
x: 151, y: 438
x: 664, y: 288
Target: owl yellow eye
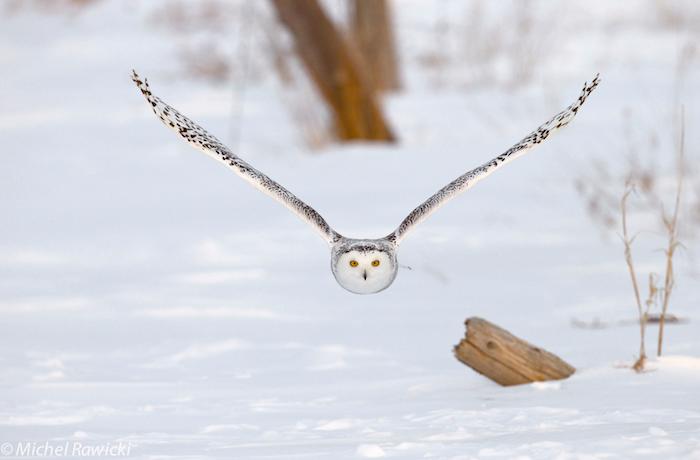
x: 375, y: 263
x: 353, y: 263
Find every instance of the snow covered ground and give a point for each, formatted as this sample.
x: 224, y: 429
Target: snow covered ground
x: 149, y: 297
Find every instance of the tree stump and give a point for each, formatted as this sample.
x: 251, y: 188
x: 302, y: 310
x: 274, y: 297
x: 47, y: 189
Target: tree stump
x: 505, y: 358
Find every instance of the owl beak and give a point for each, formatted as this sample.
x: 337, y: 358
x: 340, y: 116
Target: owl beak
x: 364, y: 275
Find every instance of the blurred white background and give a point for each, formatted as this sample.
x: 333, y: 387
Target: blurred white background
x: 150, y: 296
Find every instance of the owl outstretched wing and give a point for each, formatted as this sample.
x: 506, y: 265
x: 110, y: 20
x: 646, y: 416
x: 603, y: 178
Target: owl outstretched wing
x: 470, y: 178
x: 199, y: 138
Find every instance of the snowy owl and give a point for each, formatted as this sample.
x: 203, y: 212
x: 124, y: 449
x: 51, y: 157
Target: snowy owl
x: 362, y: 266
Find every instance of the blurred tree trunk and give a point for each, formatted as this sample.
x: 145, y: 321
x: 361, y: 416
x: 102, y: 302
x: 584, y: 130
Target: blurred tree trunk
x: 373, y: 33
x: 336, y: 70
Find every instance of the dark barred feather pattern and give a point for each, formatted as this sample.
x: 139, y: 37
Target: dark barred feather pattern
x: 210, y: 145
x: 470, y: 178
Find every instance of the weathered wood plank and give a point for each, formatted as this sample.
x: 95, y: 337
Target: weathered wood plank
x: 505, y: 358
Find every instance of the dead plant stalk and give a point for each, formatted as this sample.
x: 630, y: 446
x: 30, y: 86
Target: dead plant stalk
x: 627, y: 241
x: 671, y: 226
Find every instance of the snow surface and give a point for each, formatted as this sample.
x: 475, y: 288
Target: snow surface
x: 149, y: 296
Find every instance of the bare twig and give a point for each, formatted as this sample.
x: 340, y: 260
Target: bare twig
x: 671, y: 226
x: 627, y: 241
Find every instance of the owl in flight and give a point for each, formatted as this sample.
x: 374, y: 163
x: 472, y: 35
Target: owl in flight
x: 362, y: 266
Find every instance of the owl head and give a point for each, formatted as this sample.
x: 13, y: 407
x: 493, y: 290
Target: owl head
x: 364, y: 266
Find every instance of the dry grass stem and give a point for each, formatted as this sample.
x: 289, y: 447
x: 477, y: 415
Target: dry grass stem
x: 627, y: 241
x: 671, y: 226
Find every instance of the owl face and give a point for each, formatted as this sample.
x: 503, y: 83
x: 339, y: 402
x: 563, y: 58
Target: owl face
x: 363, y: 268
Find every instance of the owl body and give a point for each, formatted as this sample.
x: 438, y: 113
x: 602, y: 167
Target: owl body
x: 362, y: 266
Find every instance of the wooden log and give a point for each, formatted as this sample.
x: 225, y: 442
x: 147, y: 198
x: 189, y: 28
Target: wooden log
x: 505, y: 358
